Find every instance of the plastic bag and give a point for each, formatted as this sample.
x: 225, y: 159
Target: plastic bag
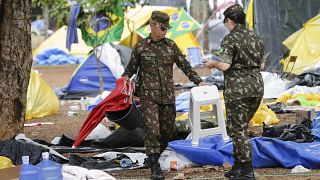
x: 169, y: 157
x: 264, y: 114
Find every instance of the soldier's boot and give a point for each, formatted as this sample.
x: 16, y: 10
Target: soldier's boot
x: 246, y: 172
x: 156, y: 172
x: 234, y: 170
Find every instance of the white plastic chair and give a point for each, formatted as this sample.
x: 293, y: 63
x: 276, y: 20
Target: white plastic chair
x: 205, y: 95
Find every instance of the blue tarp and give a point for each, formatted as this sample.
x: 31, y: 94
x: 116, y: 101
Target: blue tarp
x: 182, y: 102
x: 55, y: 56
x: 266, y: 152
x: 315, y: 130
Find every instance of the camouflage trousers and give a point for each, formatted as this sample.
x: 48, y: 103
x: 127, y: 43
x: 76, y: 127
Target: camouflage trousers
x: 239, y: 113
x: 159, y: 121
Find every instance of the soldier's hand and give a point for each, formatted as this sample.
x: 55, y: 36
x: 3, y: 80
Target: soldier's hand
x: 210, y: 64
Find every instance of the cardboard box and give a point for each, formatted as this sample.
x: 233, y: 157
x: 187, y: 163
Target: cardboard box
x: 287, y: 118
x: 11, y: 173
x: 301, y: 113
x: 305, y: 114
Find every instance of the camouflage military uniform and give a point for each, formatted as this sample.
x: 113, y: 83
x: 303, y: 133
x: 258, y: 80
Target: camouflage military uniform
x: 157, y: 96
x: 244, y: 51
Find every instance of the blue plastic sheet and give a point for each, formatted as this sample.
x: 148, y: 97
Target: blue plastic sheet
x: 315, y: 130
x: 55, y: 56
x: 182, y: 102
x: 266, y: 152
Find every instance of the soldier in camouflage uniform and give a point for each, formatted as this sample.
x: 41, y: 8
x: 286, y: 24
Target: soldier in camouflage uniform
x: 241, y: 60
x: 154, y: 56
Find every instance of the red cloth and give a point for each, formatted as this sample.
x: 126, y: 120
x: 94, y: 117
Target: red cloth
x: 119, y: 99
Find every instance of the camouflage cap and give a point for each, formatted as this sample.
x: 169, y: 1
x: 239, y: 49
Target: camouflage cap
x: 161, y: 17
x: 232, y: 9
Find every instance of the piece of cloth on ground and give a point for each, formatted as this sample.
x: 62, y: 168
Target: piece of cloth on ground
x: 121, y: 138
x: 299, y: 133
x: 266, y: 152
x: 80, y: 173
x: 138, y: 158
x: 308, y: 78
x: 106, y: 162
x: 92, y: 163
x: 15, y: 149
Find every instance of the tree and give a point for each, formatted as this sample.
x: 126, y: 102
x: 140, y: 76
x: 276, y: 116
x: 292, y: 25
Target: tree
x: 60, y: 10
x: 200, y: 12
x: 15, y: 64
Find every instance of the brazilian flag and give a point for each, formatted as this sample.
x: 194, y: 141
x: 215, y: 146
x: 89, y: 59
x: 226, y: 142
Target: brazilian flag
x: 181, y: 23
x: 103, y: 27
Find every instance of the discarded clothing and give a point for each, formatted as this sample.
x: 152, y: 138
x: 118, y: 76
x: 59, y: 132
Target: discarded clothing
x: 97, y: 162
x: 121, y: 138
x: 309, y: 78
x: 299, y: 133
x: 15, y: 149
x: 80, y: 173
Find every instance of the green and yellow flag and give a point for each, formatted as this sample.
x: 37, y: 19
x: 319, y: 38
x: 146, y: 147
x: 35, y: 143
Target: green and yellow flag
x: 103, y: 27
x: 181, y: 23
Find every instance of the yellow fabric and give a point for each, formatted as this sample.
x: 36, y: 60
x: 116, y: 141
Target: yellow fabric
x: 308, y: 97
x: 185, y: 41
x: 182, y: 117
x: 58, y: 40
x: 126, y: 41
x: 284, y: 98
x: 41, y: 100
x: 305, y: 44
x: 139, y: 16
x: 203, y: 108
x: 249, y: 15
x: 5, y: 162
x: 264, y: 114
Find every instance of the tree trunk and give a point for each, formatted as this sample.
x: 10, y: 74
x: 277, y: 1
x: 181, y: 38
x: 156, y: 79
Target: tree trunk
x: 15, y: 64
x: 205, y: 18
x: 200, y: 12
x: 195, y: 10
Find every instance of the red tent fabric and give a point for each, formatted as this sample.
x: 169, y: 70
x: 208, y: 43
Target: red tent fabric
x: 119, y: 99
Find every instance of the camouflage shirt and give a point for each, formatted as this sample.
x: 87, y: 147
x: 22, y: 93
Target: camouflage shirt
x: 156, y: 59
x: 244, y: 51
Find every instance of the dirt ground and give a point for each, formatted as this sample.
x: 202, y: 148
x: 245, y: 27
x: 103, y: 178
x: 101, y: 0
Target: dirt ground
x: 58, y: 76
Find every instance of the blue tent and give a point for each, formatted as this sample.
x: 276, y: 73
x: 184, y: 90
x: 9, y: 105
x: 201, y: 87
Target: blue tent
x: 85, y: 79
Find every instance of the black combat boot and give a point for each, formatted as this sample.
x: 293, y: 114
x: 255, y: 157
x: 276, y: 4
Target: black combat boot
x: 156, y: 172
x: 234, y: 170
x: 246, y: 172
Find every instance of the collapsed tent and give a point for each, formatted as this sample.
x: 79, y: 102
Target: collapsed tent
x: 41, y: 99
x: 85, y: 79
x: 58, y: 40
x: 139, y: 17
x: 305, y: 44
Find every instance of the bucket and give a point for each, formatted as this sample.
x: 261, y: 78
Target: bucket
x: 129, y: 118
